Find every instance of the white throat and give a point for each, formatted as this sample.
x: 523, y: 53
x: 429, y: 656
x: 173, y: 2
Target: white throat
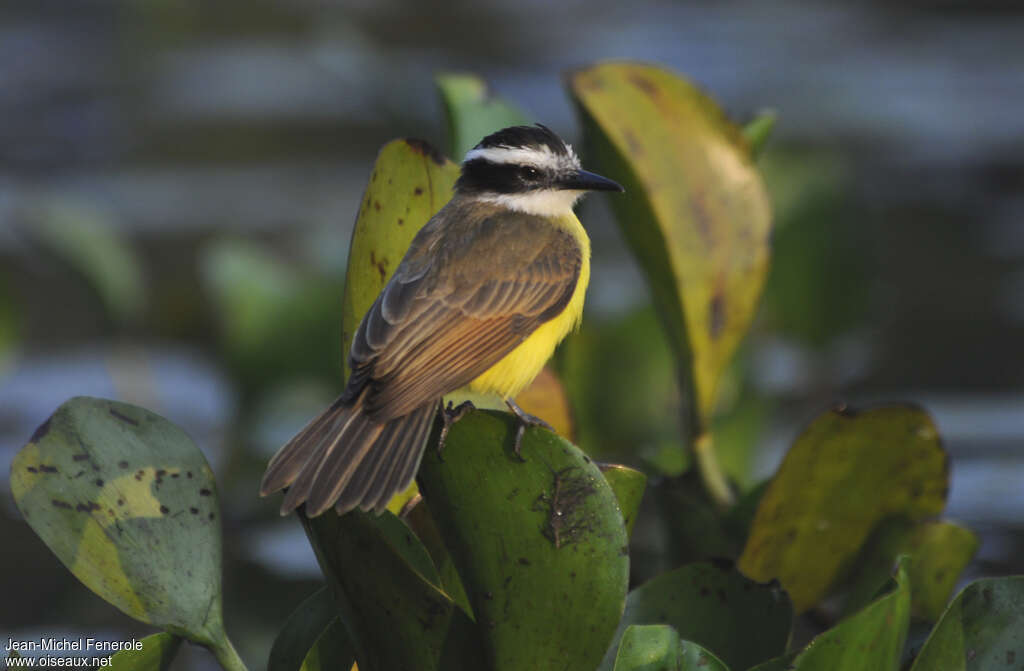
x: 543, y: 202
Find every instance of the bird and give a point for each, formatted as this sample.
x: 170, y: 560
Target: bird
x: 487, y: 289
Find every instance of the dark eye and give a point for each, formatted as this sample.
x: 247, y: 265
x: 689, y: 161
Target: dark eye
x: 529, y: 173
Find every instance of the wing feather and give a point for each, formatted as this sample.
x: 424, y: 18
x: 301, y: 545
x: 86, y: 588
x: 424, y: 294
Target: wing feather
x: 474, y: 284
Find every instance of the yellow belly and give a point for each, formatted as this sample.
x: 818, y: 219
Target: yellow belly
x: 518, y: 368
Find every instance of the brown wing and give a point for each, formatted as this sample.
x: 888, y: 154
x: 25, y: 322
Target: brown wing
x: 473, y: 285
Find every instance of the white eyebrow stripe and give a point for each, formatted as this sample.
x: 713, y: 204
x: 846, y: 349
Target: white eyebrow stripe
x: 519, y: 156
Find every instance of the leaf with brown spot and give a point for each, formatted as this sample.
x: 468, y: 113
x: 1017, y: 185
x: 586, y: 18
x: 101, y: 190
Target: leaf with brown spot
x: 843, y: 475
x: 695, y: 212
x: 379, y: 241
x: 537, y: 543
x: 118, y: 539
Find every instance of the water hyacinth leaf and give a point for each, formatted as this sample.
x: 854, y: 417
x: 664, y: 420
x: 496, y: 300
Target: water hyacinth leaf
x: 628, y: 485
x: 657, y: 647
x: 695, y: 211
x: 844, y: 474
x: 388, y: 594
x: 938, y: 553
x: 270, y: 313
x: 313, y: 638
x: 982, y: 629
x: 419, y: 519
x: 473, y: 111
x: 87, y: 240
x: 759, y: 130
x: 540, y: 543
x: 128, y: 503
x: 158, y: 651
x: 870, y: 640
x: 653, y: 647
x: 410, y: 182
x: 738, y: 620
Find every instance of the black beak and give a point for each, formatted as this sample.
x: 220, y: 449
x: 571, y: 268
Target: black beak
x: 588, y: 181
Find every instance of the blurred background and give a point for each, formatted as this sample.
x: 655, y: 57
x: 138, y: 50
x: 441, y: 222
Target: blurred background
x: 178, y: 184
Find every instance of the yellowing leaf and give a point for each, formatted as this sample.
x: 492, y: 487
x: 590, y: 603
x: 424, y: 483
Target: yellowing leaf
x: 128, y: 503
x: 695, y: 211
x: 843, y: 475
x: 410, y: 182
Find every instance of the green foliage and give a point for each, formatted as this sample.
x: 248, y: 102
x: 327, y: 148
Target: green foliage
x: 124, y: 498
x: 270, y: 313
x: 158, y: 651
x: 313, y: 638
x: 870, y: 640
x: 657, y: 647
x: 628, y: 485
x: 389, y: 595
x: 938, y: 550
x: 473, y: 111
x: 982, y: 629
x: 738, y: 620
x: 533, y: 540
x: 509, y: 564
x: 86, y: 240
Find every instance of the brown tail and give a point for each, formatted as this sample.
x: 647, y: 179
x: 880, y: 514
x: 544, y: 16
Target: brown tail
x: 344, y: 458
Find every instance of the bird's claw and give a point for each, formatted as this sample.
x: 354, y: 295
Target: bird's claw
x: 525, y: 420
x: 450, y: 415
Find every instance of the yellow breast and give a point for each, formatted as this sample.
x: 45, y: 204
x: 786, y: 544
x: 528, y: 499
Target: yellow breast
x: 514, y: 372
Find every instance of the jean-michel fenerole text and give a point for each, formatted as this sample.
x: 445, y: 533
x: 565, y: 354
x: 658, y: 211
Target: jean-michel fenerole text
x: 86, y: 645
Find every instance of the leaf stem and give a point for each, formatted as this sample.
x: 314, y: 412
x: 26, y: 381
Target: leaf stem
x: 227, y: 655
x: 711, y: 472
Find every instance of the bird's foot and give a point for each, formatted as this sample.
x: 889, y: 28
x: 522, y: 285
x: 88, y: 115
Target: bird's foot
x: 525, y: 420
x: 450, y: 415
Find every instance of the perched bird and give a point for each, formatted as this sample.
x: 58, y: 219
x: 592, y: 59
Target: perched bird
x: 488, y: 288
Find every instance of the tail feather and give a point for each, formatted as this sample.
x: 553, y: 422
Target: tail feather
x: 385, y: 480
x: 344, y: 458
x: 403, y: 470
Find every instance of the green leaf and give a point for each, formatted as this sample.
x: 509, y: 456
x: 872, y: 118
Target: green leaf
x: 740, y: 621
x: 87, y: 241
x: 844, y: 474
x: 270, y: 314
x: 982, y: 629
x: 657, y: 647
x: 473, y: 111
x: 422, y: 523
x: 388, y: 594
x: 695, y: 211
x: 410, y: 182
x: 540, y: 544
x: 870, y: 640
x: 313, y: 638
x: 628, y: 484
x: 759, y: 130
x: 128, y: 503
x: 653, y: 647
x: 939, y: 551
x: 610, y: 425
x: 158, y: 651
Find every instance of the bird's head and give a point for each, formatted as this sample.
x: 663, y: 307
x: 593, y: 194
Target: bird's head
x: 528, y: 169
